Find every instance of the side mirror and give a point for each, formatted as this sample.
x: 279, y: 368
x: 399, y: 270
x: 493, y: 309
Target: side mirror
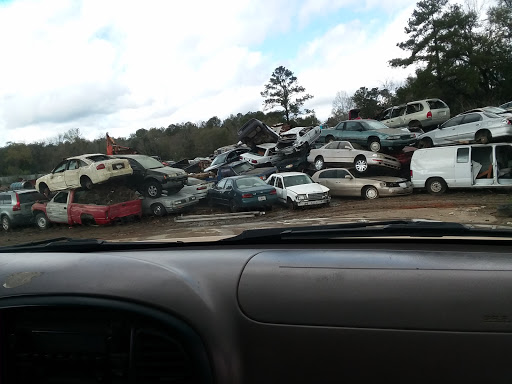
x: 348, y: 177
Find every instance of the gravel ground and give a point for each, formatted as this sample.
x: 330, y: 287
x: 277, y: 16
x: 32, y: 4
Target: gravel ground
x: 470, y: 207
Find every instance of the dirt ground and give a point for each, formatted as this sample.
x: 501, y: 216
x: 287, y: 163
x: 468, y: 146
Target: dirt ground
x: 470, y: 207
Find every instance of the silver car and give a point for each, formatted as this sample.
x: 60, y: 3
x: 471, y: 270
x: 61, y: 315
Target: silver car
x: 165, y: 204
x: 477, y: 126
x: 422, y: 114
x: 15, y: 207
x: 344, y: 153
x: 342, y: 183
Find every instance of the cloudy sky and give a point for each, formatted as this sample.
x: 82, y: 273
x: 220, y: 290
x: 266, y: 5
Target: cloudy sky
x: 117, y: 66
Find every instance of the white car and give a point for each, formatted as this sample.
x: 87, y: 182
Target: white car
x: 297, y: 139
x: 83, y: 171
x: 296, y: 189
x: 262, y: 155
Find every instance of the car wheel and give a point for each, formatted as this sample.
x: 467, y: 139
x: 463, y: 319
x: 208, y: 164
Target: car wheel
x: 360, y: 164
x: 153, y: 189
x: 158, y: 209
x: 425, y: 143
x: 6, y: 223
x: 233, y: 207
x: 319, y: 163
x: 44, y: 190
x: 374, y: 145
x: 436, y: 186
x: 370, y: 193
x: 329, y: 139
x: 291, y: 205
x: 42, y: 221
x: 85, y: 182
x: 483, y: 137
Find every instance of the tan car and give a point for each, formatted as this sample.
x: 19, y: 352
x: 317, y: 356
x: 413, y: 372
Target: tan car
x: 83, y: 171
x: 344, y: 153
x: 422, y: 114
x: 342, y: 183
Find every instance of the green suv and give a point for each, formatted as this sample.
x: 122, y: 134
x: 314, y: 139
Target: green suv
x: 16, y: 207
x: 369, y: 134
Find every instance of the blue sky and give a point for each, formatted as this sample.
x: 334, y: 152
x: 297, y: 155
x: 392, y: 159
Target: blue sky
x: 117, y: 66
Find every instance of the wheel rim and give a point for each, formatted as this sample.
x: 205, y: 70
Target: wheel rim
x: 41, y: 222
x: 361, y: 165
x: 157, y: 210
x: 5, y: 223
x: 371, y: 193
x: 152, y: 191
x: 319, y: 164
x: 375, y: 146
x: 436, y: 186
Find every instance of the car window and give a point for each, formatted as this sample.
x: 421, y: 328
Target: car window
x: 452, y: 122
x: 31, y: 197
x: 229, y: 184
x: 73, y: 164
x: 471, y: 118
x: 328, y: 174
x: 290, y: 181
x: 492, y: 115
x: 333, y: 145
x: 242, y: 167
x: 341, y: 173
x: 61, y: 197
x: 395, y: 112
x: 279, y: 183
x: 374, y: 125
x: 221, y: 184
x: 271, y: 180
x: 413, y: 108
x: 5, y: 199
x: 462, y: 155
x: 249, y: 182
x: 220, y: 159
x: 353, y: 126
x: 339, y: 126
x: 96, y: 158
x: 436, y: 104
x: 61, y: 167
x: 387, y: 114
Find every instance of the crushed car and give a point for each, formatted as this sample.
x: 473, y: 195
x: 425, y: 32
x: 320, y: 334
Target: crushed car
x: 226, y: 157
x: 197, y: 187
x: 297, y: 139
x: 242, y: 167
x: 83, y: 171
x: 342, y: 183
x: 296, y: 189
x: 255, y: 132
x: 262, y: 155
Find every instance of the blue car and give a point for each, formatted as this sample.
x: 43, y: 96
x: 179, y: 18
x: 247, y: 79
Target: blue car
x: 242, y: 192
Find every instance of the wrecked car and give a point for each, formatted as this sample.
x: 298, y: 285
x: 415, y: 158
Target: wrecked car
x: 297, y: 139
x: 165, y: 204
x: 82, y: 171
x: 242, y: 167
x: 254, y: 132
x: 342, y: 183
x: 102, y: 205
x: 297, y: 189
x: 197, y: 187
x: 150, y: 176
x: 295, y: 162
x: 262, y: 155
x: 226, y: 157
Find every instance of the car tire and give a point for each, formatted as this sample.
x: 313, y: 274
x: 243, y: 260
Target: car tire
x: 233, y: 206
x: 42, y: 221
x: 158, y: 210
x: 329, y: 139
x: 319, y: 163
x: 370, y: 192
x: 374, y: 145
x: 153, y: 189
x: 6, y: 223
x: 425, y: 143
x: 291, y: 204
x: 44, y: 190
x: 86, y: 183
x: 483, y: 137
x: 361, y: 164
x: 436, y: 186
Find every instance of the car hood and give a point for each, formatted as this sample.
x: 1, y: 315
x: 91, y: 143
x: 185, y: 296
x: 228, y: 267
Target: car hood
x: 170, y: 171
x: 308, y: 188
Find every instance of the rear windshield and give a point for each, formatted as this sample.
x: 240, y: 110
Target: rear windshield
x: 242, y: 167
x: 492, y: 115
x: 31, y: 197
x: 436, y: 104
x: 249, y: 182
x: 374, y: 125
x: 96, y: 158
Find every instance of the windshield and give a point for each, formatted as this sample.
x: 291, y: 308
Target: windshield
x: 202, y: 82
x: 249, y: 183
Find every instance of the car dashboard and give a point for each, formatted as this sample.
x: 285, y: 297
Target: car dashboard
x: 415, y: 310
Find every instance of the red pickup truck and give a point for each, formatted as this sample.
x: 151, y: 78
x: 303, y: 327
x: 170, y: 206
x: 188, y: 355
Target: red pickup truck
x: 77, y: 206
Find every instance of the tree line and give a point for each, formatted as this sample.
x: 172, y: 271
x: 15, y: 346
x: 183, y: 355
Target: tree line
x: 460, y: 56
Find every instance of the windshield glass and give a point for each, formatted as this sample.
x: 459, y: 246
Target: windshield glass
x: 275, y: 84
x: 249, y: 183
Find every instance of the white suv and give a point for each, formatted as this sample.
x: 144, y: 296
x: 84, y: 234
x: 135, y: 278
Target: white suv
x: 417, y: 115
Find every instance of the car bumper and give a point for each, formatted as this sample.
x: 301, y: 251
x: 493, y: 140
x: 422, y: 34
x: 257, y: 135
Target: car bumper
x: 307, y: 203
x: 179, y: 206
x: 395, y: 144
x: 396, y: 191
x: 502, y: 132
x: 384, y: 163
x: 256, y: 202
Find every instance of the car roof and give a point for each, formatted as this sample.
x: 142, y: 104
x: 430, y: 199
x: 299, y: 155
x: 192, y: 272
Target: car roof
x: 267, y: 145
x: 284, y: 174
x: 294, y: 130
x: 241, y: 177
x: 85, y: 156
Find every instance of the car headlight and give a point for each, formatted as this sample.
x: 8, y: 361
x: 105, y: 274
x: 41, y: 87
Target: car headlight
x: 289, y: 166
x: 326, y: 194
x: 394, y: 137
x: 301, y: 197
x: 379, y: 155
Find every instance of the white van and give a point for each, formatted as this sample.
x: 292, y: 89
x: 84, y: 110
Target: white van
x: 462, y: 166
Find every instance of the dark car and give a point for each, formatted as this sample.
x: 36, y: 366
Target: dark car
x: 298, y: 163
x: 239, y: 192
x: 150, y: 176
x: 239, y: 168
x: 226, y: 158
x: 254, y: 132
x: 15, y: 207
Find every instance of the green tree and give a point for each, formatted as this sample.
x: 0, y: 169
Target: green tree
x: 283, y: 91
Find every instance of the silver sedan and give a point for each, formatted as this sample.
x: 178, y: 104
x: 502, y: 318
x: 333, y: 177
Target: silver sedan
x: 342, y: 183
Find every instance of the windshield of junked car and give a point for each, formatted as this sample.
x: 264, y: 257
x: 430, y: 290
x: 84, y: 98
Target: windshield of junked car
x: 242, y: 167
x: 370, y: 124
x: 148, y: 162
x: 290, y: 181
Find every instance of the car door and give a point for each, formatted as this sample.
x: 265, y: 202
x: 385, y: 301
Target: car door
x: 56, y: 179
x: 328, y: 179
x: 412, y: 112
x: 394, y: 118
x: 355, y: 132
x: 72, y: 174
x: 463, y: 168
x: 345, y: 154
x: 471, y: 123
x: 215, y: 193
x: 280, y: 190
x: 227, y: 193
x: 57, y: 208
x: 447, y: 131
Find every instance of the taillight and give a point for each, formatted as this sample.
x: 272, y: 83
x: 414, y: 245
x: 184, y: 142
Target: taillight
x: 17, y: 206
x: 101, y: 166
x: 254, y: 162
x: 200, y: 188
x: 429, y: 114
x: 246, y: 195
x: 411, y: 173
x: 273, y: 192
x: 509, y: 122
